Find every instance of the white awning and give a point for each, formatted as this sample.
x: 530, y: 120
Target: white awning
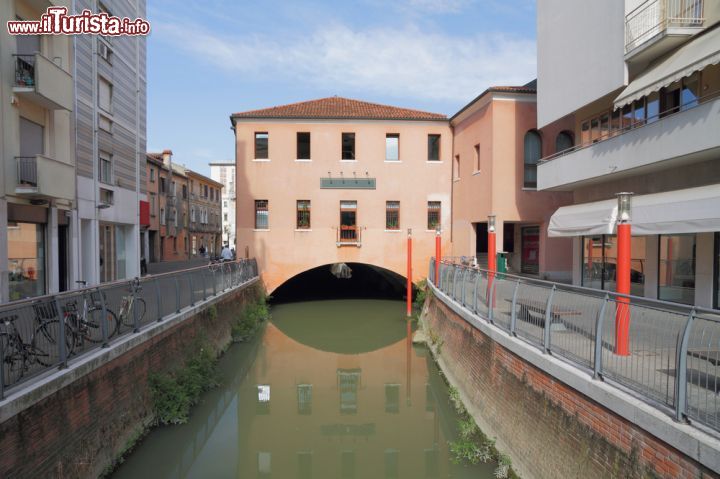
x: 700, y: 52
x: 692, y: 210
x: 585, y: 219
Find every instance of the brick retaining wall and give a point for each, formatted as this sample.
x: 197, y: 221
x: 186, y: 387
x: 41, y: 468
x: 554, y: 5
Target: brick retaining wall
x: 549, y: 429
x: 78, y: 430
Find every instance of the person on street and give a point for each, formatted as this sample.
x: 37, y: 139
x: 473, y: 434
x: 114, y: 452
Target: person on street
x: 226, y: 254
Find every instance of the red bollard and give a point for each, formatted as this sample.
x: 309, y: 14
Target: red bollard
x: 622, y: 278
x: 409, y: 273
x: 438, y: 256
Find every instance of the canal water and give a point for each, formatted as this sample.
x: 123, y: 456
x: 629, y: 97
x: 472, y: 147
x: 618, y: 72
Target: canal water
x: 328, y: 390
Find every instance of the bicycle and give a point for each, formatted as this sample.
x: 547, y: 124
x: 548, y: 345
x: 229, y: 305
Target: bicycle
x: 86, y: 323
x: 129, y: 303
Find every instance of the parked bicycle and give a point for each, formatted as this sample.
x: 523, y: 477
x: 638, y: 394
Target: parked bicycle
x: 85, y: 323
x: 131, y: 305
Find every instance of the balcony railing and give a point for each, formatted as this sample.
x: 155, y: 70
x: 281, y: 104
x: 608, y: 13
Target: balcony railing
x: 24, y: 70
x: 349, y: 236
x: 613, y: 132
x: 43, y: 81
x: 655, y: 16
x: 26, y: 170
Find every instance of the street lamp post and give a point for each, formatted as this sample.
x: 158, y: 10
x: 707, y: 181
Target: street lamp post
x: 492, y: 261
x: 438, y: 252
x: 622, y: 275
x: 409, y: 273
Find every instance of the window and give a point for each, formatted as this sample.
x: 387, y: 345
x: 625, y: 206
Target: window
x: 456, y: 167
x: 192, y: 214
x: 347, y: 467
x: 639, y: 112
x: 152, y: 175
x: 175, y: 244
x: 263, y: 399
x: 26, y: 259
x: 184, y: 192
x: 392, y: 398
x: 105, y: 168
x: 261, y: 146
x: 433, y: 215
x: 348, y: 384
x: 599, y: 263
x: 392, y: 215
x: 264, y: 464
x: 152, y: 204
x: 348, y: 146
x: 530, y: 249
x: 303, y: 215
x: 225, y: 216
x: 563, y: 141
x: 104, y: 123
x: 585, y: 133
x: 205, y: 189
x: 392, y: 147
x: 392, y: 464
x: 477, y: 158
x: 303, y: 146
x: 304, y: 465
x: 433, y: 147
x: 304, y: 399
x: 162, y: 185
x: 31, y: 138
x: 677, y: 268
x: 627, y: 116
x: 162, y: 216
x: 106, y: 196
x: 105, y: 95
x: 690, y: 91
x: 261, y: 214
x: 175, y: 218
x: 653, y: 107
x: 532, y: 154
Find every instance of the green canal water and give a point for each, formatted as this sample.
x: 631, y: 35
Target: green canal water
x: 328, y: 390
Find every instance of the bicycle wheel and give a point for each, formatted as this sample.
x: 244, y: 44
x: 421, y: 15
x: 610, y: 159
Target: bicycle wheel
x: 13, y: 361
x: 45, y: 346
x: 93, y: 326
x: 129, y: 318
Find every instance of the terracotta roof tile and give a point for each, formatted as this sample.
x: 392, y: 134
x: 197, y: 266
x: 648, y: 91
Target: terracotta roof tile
x: 340, y: 108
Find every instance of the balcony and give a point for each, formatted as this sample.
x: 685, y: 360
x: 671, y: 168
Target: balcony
x: 658, y: 26
x: 40, y: 177
x: 349, y: 236
x: 672, y: 139
x: 41, y: 81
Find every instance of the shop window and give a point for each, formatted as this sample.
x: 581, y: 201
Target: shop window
x: 599, y: 265
x: 26, y: 260
x: 676, y: 276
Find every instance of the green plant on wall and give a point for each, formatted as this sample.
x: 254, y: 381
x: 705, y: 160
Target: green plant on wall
x: 250, y: 318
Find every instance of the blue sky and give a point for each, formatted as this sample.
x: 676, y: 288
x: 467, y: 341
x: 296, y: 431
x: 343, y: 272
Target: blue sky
x: 210, y: 58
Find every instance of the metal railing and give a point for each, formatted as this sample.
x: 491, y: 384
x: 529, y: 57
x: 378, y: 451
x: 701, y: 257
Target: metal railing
x: 655, y: 16
x: 674, y: 350
x: 26, y: 170
x: 635, y: 124
x: 44, y: 333
x: 349, y: 236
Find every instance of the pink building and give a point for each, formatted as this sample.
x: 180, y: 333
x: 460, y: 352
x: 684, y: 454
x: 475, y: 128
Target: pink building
x: 496, y: 147
x: 336, y: 180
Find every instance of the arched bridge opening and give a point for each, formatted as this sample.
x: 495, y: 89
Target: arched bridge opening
x: 342, y: 281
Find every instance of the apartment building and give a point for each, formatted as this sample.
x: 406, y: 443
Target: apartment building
x: 37, y: 179
x: 641, y: 80
x: 169, y: 191
x: 205, y: 226
x: 110, y: 138
x: 337, y: 180
x: 224, y: 173
x: 496, y: 147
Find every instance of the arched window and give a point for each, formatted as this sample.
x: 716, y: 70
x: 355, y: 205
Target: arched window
x: 563, y: 141
x: 533, y: 152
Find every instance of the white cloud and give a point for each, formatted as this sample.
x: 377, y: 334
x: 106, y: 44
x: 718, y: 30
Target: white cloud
x: 407, y: 63
x: 437, y: 6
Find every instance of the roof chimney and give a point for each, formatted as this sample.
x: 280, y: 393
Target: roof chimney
x: 167, y: 157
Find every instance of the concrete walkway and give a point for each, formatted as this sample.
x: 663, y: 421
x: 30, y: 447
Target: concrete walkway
x: 168, y: 266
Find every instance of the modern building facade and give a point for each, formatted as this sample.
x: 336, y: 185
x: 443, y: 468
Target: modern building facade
x: 642, y: 81
x: 496, y: 147
x: 205, y: 226
x: 110, y: 138
x: 225, y: 173
x: 38, y: 223
x: 335, y: 180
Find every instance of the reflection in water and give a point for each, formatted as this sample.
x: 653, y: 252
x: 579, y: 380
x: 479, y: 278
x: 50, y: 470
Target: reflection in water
x: 287, y: 409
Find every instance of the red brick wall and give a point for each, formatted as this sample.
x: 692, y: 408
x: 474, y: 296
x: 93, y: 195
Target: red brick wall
x: 79, y: 430
x: 554, y: 430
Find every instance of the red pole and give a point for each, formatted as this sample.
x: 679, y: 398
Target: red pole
x: 492, y: 260
x: 438, y: 256
x: 409, y: 273
x: 622, y: 279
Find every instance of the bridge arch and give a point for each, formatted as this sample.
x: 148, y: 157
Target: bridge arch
x: 340, y: 280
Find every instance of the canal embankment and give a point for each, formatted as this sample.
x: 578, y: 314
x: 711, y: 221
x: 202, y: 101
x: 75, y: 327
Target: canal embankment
x: 551, y: 418
x: 76, y: 421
